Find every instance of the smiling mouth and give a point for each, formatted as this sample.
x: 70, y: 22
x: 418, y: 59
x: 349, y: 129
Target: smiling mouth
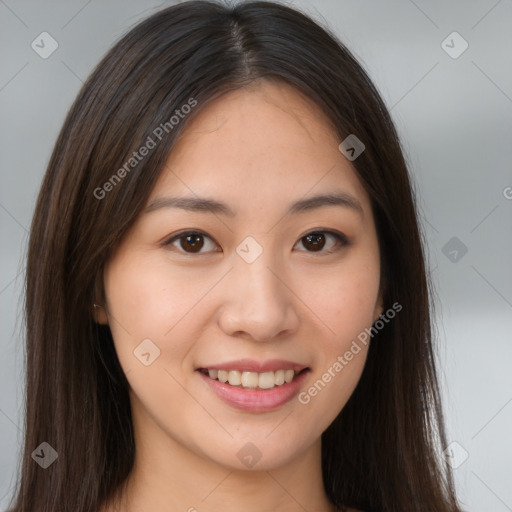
x: 252, y: 380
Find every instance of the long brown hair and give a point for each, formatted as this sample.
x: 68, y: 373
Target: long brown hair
x: 382, y: 453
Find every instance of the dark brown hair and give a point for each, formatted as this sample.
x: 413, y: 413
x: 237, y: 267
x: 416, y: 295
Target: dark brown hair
x: 382, y: 453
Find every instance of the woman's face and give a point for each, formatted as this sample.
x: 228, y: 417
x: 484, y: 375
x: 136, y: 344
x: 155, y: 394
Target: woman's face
x: 250, y: 292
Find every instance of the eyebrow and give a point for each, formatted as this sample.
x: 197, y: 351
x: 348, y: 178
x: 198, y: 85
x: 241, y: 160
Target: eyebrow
x: 207, y: 205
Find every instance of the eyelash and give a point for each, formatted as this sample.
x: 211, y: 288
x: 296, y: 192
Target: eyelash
x: 342, y: 241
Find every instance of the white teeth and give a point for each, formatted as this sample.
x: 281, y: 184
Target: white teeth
x: 235, y: 378
x: 252, y: 380
x: 267, y: 380
x: 279, y: 377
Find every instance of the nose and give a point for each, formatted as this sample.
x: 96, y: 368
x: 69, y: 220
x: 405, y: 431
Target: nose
x: 259, y: 302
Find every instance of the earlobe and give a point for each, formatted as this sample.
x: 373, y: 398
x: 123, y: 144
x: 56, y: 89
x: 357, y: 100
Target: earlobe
x: 379, y: 309
x: 99, y: 314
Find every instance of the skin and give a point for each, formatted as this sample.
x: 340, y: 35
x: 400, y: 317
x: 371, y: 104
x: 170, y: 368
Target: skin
x: 256, y: 149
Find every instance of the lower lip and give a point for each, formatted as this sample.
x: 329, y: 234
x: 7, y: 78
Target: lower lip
x: 256, y: 400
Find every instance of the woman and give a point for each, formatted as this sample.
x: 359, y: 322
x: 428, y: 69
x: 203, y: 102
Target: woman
x: 227, y: 304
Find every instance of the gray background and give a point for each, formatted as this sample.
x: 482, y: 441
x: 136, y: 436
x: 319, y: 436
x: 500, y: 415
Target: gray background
x: 455, y: 119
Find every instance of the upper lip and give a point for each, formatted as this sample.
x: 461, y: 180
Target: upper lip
x: 251, y: 365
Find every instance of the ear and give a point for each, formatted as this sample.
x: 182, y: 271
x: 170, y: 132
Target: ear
x: 379, y: 308
x: 98, y: 311
x: 99, y: 314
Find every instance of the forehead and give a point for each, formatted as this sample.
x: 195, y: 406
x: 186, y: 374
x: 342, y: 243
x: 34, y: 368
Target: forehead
x: 263, y: 142
x: 263, y: 115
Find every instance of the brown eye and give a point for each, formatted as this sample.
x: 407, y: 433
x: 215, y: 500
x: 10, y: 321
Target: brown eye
x: 316, y: 241
x: 193, y: 242
x: 190, y: 242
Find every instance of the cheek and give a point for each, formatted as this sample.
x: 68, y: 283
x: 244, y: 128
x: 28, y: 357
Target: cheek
x: 344, y: 306
x: 147, y: 300
x: 150, y: 296
x: 343, y: 301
